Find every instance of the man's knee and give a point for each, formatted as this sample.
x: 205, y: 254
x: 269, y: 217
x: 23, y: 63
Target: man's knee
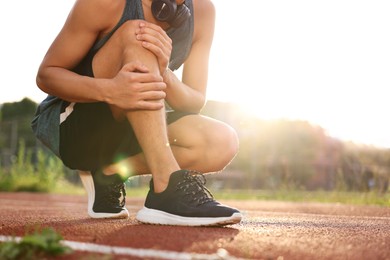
x: 127, y: 32
x: 228, y: 141
x: 132, y: 49
x: 223, y: 146
x: 121, y: 48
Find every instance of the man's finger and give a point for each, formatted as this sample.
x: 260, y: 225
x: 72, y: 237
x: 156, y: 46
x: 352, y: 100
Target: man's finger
x: 150, y: 105
x: 135, y: 66
x: 153, y: 95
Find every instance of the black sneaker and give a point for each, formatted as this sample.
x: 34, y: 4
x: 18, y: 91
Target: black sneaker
x: 186, y: 202
x: 106, y: 195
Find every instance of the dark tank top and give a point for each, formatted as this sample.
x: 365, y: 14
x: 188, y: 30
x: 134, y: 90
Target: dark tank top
x: 181, y: 38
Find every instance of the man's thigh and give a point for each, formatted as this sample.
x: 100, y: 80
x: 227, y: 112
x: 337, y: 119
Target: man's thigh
x: 194, y: 130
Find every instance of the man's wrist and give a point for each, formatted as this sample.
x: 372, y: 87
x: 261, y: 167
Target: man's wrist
x: 167, y: 75
x: 103, y: 93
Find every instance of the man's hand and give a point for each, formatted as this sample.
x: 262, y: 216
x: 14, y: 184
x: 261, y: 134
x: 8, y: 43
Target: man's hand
x: 135, y: 88
x: 155, y: 39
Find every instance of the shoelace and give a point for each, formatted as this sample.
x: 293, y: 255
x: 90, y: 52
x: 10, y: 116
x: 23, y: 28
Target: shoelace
x: 194, y: 188
x: 117, y: 193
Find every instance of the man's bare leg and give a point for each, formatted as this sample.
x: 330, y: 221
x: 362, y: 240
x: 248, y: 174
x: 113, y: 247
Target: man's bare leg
x: 197, y: 142
x: 149, y: 126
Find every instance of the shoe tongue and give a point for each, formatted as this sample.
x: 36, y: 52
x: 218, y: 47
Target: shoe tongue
x: 107, y: 179
x: 115, y: 179
x: 174, y: 179
x: 177, y: 176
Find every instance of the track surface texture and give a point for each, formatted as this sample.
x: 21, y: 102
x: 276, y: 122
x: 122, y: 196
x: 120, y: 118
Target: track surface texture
x: 269, y: 230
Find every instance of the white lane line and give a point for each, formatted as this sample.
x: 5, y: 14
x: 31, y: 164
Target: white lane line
x: 138, y: 252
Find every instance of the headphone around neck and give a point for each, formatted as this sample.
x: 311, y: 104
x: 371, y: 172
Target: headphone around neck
x: 168, y: 11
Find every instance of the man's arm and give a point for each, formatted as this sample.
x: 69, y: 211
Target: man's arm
x: 78, y: 34
x: 190, y: 93
x: 88, y: 21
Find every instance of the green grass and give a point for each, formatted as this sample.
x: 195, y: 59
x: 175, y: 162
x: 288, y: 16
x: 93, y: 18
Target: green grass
x: 48, y: 175
x: 343, y: 197
x: 23, y: 175
x: 67, y: 188
x: 39, y: 245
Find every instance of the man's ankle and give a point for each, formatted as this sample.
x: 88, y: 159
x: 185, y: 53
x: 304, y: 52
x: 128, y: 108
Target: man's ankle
x: 160, y: 182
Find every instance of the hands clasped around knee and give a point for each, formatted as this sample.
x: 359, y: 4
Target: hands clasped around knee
x: 136, y: 88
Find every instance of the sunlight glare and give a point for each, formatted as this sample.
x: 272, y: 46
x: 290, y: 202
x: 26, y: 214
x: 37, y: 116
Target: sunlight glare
x: 323, y: 62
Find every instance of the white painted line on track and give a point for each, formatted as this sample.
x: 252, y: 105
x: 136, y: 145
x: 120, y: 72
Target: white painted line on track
x: 137, y: 252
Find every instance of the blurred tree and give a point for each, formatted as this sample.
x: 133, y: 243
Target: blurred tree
x: 18, y: 110
x: 15, y: 124
x: 295, y: 154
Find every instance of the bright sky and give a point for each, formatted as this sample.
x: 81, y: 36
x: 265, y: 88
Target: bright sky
x: 327, y: 62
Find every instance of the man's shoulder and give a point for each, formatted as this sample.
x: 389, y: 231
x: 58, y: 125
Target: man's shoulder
x: 102, y: 13
x: 204, y: 5
x: 204, y: 11
x: 107, y: 4
x: 105, y: 8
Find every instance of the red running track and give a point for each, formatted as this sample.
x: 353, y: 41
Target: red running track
x: 269, y: 230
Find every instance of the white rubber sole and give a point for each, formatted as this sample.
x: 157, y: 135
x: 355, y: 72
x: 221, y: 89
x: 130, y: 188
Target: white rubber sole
x: 157, y: 217
x: 87, y: 180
